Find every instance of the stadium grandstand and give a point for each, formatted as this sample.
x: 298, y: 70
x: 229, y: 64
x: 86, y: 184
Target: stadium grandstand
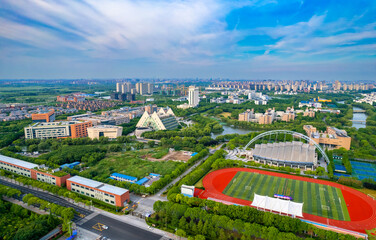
x: 294, y: 154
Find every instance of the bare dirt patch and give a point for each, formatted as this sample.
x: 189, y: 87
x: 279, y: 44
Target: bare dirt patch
x: 182, y: 156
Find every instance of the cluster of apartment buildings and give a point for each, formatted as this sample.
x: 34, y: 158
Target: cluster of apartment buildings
x: 271, y: 115
x: 268, y: 117
x: 77, y: 97
x: 367, y: 98
x: 88, y: 105
x: 288, y: 85
x: 104, y: 192
x: 123, y: 96
x: 258, y: 97
x: 230, y: 99
x: 141, y: 88
x: 332, y: 138
x: 337, y: 86
x: 11, y: 112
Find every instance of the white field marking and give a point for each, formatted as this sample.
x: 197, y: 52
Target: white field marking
x: 233, y: 181
x: 324, y: 207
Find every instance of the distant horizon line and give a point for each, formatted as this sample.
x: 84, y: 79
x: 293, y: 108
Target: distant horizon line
x: 179, y: 79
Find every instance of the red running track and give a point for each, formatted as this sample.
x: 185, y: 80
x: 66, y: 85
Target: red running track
x: 362, y: 208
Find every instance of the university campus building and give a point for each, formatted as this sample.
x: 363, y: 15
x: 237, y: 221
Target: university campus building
x: 109, y: 131
x: 332, y: 138
x: 44, y: 130
x: 48, y: 116
x: 104, y: 192
x: 162, y: 119
x: 33, y: 171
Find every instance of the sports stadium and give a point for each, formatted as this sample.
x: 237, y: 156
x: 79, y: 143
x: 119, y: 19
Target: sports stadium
x: 301, y: 152
x: 320, y: 202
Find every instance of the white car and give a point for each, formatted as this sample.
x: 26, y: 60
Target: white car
x: 104, y: 227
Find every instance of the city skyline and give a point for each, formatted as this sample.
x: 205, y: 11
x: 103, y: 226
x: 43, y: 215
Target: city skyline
x: 315, y: 40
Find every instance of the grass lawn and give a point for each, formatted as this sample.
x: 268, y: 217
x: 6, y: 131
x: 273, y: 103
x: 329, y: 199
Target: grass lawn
x: 225, y: 114
x: 368, y: 191
x: 199, y: 183
x: 159, y: 153
x: 371, y: 234
x: 318, y: 199
x: 129, y: 163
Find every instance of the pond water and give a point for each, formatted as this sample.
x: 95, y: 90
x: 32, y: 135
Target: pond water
x: 359, y: 116
x: 230, y: 130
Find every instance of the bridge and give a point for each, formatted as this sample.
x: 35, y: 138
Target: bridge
x: 359, y: 111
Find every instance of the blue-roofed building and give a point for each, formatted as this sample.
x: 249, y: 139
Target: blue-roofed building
x: 142, y: 181
x: 339, y: 168
x: 123, y: 178
x: 154, y: 175
x: 194, y: 154
x: 69, y: 165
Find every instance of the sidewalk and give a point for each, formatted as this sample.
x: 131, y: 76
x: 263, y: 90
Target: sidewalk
x: 24, y: 205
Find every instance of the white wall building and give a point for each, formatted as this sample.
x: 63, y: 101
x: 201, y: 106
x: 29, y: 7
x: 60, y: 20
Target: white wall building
x: 193, y: 97
x: 109, y: 131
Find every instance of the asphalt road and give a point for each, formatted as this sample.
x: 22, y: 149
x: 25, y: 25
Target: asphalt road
x: 117, y: 229
x: 82, y: 212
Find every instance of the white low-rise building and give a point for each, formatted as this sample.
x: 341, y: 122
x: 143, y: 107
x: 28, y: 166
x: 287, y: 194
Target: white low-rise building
x: 109, y: 131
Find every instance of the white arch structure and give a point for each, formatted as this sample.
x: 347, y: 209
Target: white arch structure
x: 272, y: 132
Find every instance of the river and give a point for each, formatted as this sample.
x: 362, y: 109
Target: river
x: 359, y: 116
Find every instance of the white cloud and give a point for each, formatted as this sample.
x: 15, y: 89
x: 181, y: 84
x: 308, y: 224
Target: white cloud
x: 169, y: 30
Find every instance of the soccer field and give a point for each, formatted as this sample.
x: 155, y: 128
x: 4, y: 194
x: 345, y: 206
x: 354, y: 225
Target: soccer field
x: 321, y: 200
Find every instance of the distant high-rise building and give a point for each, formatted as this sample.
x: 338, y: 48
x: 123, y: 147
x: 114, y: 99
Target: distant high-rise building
x: 150, y: 88
x: 123, y: 88
x: 151, y: 108
x: 337, y: 85
x: 115, y: 95
x: 118, y: 87
x: 193, y: 97
x: 142, y: 88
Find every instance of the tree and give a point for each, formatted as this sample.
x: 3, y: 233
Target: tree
x: 151, y: 144
x: 32, y: 148
x: 67, y: 213
x: 181, y: 233
x: 43, y: 146
x: 139, y: 145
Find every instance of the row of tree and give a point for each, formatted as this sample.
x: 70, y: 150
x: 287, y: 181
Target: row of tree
x: 218, y: 221
x: 19, y: 223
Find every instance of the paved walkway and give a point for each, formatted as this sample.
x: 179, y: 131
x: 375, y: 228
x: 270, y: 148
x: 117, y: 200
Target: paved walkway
x: 24, y: 205
x: 232, y: 154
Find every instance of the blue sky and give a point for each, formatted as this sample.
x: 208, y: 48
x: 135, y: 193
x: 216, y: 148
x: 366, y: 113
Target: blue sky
x: 255, y: 39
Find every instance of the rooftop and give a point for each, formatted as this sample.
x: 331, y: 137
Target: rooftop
x: 124, y: 176
x: 17, y: 162
x: 98, y: 185
x: 142, y: 181
x: 105, y: 126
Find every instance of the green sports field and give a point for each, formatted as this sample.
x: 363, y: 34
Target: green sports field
x: 318, y: 199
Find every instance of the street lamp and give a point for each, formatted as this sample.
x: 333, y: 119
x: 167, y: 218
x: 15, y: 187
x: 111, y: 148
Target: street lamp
x: 70, y: 230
